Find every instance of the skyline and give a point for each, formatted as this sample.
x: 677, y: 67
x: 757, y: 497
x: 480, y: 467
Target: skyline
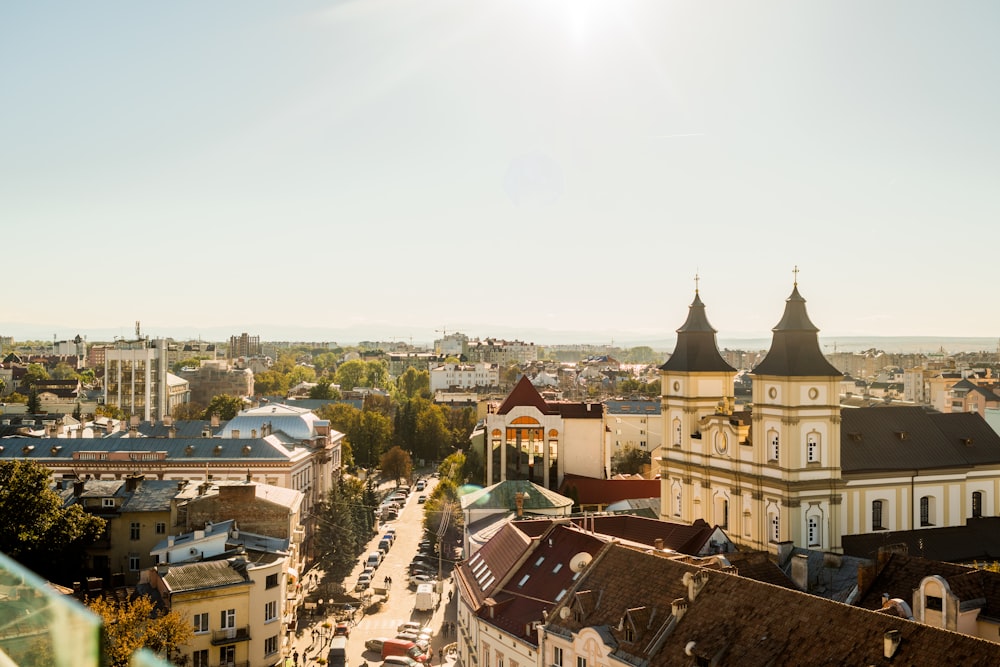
x: 569, y: 165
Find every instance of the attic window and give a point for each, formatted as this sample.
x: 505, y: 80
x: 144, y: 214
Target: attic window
x: 562, y: 594
x: 523, y: 581
x: 539, y: 561
x: 629, y: 633
x: 557, y: 568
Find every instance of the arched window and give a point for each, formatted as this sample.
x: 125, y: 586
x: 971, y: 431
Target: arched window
x: 773, y: 448
x: 877, y: 515
x: 678, y: 503
x: 775, y: 527
x: 812, y: 447
x: 677, y: 432
x: 813, y: 531
x: 977, y: 504
x: 722, y: 511
x: 927, y: 507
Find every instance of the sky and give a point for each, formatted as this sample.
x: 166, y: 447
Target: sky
x: 391, y: 167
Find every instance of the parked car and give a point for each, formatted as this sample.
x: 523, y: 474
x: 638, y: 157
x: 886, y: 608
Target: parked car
x: 420, y: 578
x: 375, y: 644
x: 421, y: 499
x: 400, y: 661
x: 364, y: 581
x: 414, y: 626
x: 342, y: 629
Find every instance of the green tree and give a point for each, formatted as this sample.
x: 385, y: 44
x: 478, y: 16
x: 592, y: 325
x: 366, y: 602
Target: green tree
x: 301, y: 374
x: 325, y: 362
x: 453, y: 468
x: 109, y: 411
x: 642, y: 354
x: 270, y: 383
x: 628, y: 461
x: 443, y: 512
x: 510, y: 375
x: 396, y: 464
x: 88, y: 377
x: 362, y: 511
x: 34, y: 405
x: 37, y: 530
x: 324, y: 391
x: 188, y: 411
x: 377, y: 374
x: 224, y: 405
x: 474, y: 470
x: 64, y: 371
x: 33, y: 374
x: 131, y: 624
x: 351, y: 374
x: 192, y: 362
x: 414, y: 384
x: 336, y: 542
x: 431, y: 435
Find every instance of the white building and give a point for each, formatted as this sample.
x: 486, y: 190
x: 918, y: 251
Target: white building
x: 464, y: 376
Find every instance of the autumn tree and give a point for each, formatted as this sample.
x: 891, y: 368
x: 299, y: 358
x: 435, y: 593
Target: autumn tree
x: 396, y: 464
x: 37, y: 530
x: 131, y: 624
x: 224, y: 405
x: 188, y: 411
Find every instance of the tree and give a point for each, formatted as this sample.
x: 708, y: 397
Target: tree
x: 431, y: 434
x: 414, y: 383
x: 270, y: 383
x: 443, y: 510
x: 301, y: 374
x: 192, y: 362
x: 224, y: 405
x: 510, y: 375
x: 34, y: 405
x: 641, y: 354
x: 324, y: 391
x: 64, y: 371
x: 377, y: 374
x: 33, y: 374
x: 131, y: 624
x: 373, y: 433
x: 396, y: 464
x: 37, y: 530
x: 628, y: 461
x: 336, y: 540
x: 188, y: 411
x: 362, y: 508
x: 351, y: 374
x: 109, y: 411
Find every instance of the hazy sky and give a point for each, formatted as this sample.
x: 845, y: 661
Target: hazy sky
x: 561, y: 164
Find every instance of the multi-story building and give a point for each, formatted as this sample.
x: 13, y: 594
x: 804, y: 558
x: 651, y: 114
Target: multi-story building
x: 135, y: 378
x: 217, y: 377
x: 452, y: 345
x: 527, y: 437
x: 797, y: 467
x: 502, y: 352
x: 244, y: 345
x: 459, y: 377
x: 633, y: 425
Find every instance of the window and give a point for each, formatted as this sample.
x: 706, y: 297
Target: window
x: 107, y: 502
x: 200, y: 658
x: 271, y: 645
x: 977, y: 504
x: 677, y: 433
x: 133, y: 530
x: 499, y: 659
x: 813, y: 530
x: 133, y: 562
x: 581, y: 661
x: 227, y: 656
x: 812, y: 448
x: 774, y: 449
x: 486, y: 655
x: 161, y: 528
x: 270, y: 611
x: 629, y: 633
x: 775, y: 528
x: 877, y: 515
x: 926, y: 511
x: 722, y: 511
x: 677, y: 503
x: 557, y: 657
x: 201, y: 623
x: 271, y: 581
x: 227, y: 619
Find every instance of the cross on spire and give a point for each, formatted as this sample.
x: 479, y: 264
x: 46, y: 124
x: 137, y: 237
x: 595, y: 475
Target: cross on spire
x: 795, y: 271
x: 696, y: 279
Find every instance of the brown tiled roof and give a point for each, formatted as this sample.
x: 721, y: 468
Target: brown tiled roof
x: 570, y: 410
x: 681, y: 537
x: 909, y: 438
x: 524, y: 394
x: 978, y: 539
x: 900, y: 575
x: 591, y: 491
x: 736, y: 621
x: 484, y: 571
x: 757, y: 565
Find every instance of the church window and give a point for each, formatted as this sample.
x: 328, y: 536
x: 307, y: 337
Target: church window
x: 926, y: 511
x: 677, y: 433
x: 722, y: 511
x: 773, y: 446
x: 775, y: 527
x: 877, y: 515
x: 813, y: 526
x: 977, y: 504
x: 812, y: 448
x: 677, y: 503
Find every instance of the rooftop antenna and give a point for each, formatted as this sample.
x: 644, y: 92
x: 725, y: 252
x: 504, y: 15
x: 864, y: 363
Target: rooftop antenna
x: 137, y: 334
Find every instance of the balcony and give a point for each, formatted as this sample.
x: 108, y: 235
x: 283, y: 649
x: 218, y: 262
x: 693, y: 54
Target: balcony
x: 231, y: 635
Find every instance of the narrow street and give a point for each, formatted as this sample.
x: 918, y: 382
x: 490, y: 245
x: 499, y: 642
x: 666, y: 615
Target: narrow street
x: 400, y: 606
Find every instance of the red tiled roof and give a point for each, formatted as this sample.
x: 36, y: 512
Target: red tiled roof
x: 524, y: 394
x: 592, y: 491
x: 481, y: 573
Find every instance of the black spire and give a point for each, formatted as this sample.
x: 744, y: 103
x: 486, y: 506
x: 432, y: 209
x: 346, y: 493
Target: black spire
x: 795, y: 344
x: 696, y: 349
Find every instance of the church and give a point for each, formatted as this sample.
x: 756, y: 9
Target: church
x: 796, y: 466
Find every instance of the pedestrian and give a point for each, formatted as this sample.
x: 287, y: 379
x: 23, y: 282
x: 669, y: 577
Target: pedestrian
x: 441, y: 655
x: 295, y: 657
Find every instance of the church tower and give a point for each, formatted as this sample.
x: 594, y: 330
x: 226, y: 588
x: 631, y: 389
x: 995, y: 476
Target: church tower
x: 696, y: 384
x: 796, y: 436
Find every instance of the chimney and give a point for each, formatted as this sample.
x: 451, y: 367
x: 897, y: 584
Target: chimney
x: 215, y: 420
x: 658, y: 544
x: 890, y: 643
x: 172, y: 432
x: 677, y: 609
x: 519, y: 504
x: 132, y: 482
x: 800, y: 571
x: 236, y: 434
x: 78, y: 487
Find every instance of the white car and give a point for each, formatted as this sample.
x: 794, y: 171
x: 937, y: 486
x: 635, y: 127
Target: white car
x: 416, y: 628
x: 364, y: 581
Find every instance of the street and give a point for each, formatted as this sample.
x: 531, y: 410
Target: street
x: 400, y: 606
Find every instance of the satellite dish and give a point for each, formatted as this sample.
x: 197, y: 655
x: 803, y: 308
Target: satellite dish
x: 580, y: 561
x: 564, y: 613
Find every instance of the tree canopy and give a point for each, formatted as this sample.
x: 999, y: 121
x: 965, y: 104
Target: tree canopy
x: 36, y: 529
x: 396, y: 464
x: 224, y: 405
x: 131, y: 624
